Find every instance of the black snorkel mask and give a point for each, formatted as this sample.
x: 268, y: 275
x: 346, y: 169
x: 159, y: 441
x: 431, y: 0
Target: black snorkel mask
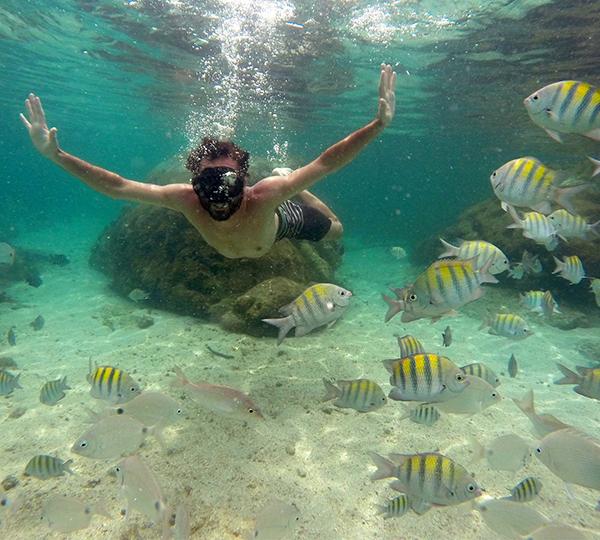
x: 220, y: 191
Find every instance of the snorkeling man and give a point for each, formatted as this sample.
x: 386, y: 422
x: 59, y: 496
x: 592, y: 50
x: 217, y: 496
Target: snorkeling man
x: 234, y: 218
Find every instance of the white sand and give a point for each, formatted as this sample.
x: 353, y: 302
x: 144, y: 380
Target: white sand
x: 306, y: 452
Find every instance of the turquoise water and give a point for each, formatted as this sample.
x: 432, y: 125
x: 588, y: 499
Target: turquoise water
x: 132, y: 84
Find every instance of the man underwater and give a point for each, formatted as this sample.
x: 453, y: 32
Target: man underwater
x: 237, y: 220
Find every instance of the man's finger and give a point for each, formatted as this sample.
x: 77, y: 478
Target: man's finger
x: 52, y: 135
x: 25, y: 121
x: 29, y: 109
x: 394, y: 77
x: 40, y: 109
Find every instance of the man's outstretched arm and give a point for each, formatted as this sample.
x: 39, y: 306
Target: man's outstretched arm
x: 97, y: 178
x: 341, y: 153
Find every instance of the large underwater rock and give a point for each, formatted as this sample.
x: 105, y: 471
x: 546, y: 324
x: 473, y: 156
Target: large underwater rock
x: 158, y: 251
x: 487, y: 221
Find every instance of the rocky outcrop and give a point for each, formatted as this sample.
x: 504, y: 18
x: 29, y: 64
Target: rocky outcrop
x: 158, y: 251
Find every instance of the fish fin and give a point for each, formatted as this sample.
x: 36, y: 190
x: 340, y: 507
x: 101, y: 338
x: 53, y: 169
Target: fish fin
x: 593, y: 134
x: 542, y: 207
x: 182, y: 380
x: 564, y: 196
x: 582, y: 370
x: 485, y: 323
x: 484, y: 273
x: 409, y: 317
x: 16, y: 382
x: 396, y: 394
x: 64, y: 384
x: 398, y: 485
x: 298, y: 332
x: 67, y: 466
x: 451, y: 251
x: 285, y: 324
x: 526, y: 403
x: 595, y: 228
x: 554, y: 134
x: 420, y: 506
x: 394, y: 307
x: 515, y: 217
x: 331, y: 391
x: 389, y: 364
x: 476, y: 447
x: 504, y: 206
x: 596, y: 164
x: 385, y: 467
x: 287, y: 309
x: 570, y: 377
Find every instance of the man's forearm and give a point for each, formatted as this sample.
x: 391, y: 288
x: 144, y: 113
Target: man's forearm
x: 347, y: 149
x: 97, y: 178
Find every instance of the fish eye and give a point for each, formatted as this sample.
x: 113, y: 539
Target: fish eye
x: 250, y: 411
x: 494, y: 174
x: 535, y: 97
x: 538, y: 450
x: 120, y: 410
x: 460, y: 377
x: 471, y: 488
x: 83, y: 444
x: 412, y: 297
x: 117, y: 469
x: 3, y: 502
x: 179, y: 411
x: 133, y: 389
x: 494, y: 394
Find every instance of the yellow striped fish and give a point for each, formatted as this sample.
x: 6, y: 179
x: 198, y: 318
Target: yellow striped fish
x: 587, y: 380
x: 573, y: 226
x: 53, y: 391
x: 566, y: 107
x: 527, y: 182
x: 536, y: 227
x: 477, y: 369
x: 539, y: 302
x: 318, y: 305
x: 507, y: 325
x: 45, y: 467
x: 424, y: 377
x: 8, y: 382
x: 427, y: 479
x: 469, y: 249
x: 362, y: 395
x: 409, y: 345
x: 112, y: 384
x: 396, y: 507
x: 425, y: 414
x: 570, y: 268
x: 445, y: 286
x: 595, y: 289
x: 526, y: 490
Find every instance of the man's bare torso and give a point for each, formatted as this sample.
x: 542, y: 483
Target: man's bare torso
x: 248, y: 233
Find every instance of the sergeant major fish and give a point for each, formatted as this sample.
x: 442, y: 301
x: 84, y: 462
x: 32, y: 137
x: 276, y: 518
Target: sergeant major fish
x: 478, y: 369
x: 574, y: 226
x: 541, y: 302
x: 45, y: 467
x: 595, y: 289
x: 8, y: 382
x: 112, y: 384
x: 483, y: 251
x: 396, y: 507
x: 587, y: 380
x: 526, y: 490
x: 318, y: 305
x: 409, y: 345
x: 536, y: 227
x: 53, y: 391
x: 443, y: 287
x: 527, y: 182
x: 507, y: 325
x: 362, y: 395
x: 427, y: 479
x: 566, y: 107
x: 570, y: 268
x: 424, y: 413
x: 424, y: 377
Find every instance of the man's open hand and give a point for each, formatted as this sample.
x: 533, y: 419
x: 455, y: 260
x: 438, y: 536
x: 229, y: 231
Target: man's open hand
x: 43, y: 139
x: 387, y: 96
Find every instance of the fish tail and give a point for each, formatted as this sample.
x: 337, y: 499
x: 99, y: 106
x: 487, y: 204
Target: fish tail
x: 477, y: 449
x: 564, y: 196
x: 570, y: 377
x: 394, y: 307
x: 515, y: 217
x: 64, y: 384
x: 485, y: 323
x: 16, y: 382
x: 331, y: 391
x: 451, y: 251
x: 559, y: 265
x: 182, y: 380
x: 67, y: 466
x: 596, y: 164
x: 526, y: 403
x: 385, y: 467
x: 285, y: 324
x: 595, y: 228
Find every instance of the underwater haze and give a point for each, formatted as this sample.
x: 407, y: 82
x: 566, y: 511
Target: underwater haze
x: 238, y: 434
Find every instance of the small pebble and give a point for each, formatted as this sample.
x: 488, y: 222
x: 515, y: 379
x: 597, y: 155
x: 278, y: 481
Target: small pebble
x: 301, y: 473
x: 144, y: 322
x: 290, y: 449
x: 17, y: 412
x: 9, y: 482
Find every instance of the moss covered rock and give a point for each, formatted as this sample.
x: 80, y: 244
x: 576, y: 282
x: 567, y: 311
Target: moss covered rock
x: 158, y: 251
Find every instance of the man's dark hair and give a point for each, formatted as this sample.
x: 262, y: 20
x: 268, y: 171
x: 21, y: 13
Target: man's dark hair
x: 211, y: 148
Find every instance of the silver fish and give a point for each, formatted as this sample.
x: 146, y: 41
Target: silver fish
x: 138, y: 295
x: 509, y: 519
x: 139, y: 486
x: 111, y: 437
x: 558, y: 531
x: 574, y: 226
x: 505, y: 453
x: 219, y: 399
x: 513, y: 367
x: 45, y: 467
x: 37, y: 323
x: 484, y: 251
x: 152, y: 409
x: 531, y: 263
x: 317, y: 306
x: 542, y: 423
x: 53, y: 391
x: 68, y: 514
x: 277, y: 520
x: 572, y: 455
x: 476, y: 397
x: 447, y: 337
x: 570, y: 268
x: 536, y: 227
x: 7, y: 254
x: 182, y: 528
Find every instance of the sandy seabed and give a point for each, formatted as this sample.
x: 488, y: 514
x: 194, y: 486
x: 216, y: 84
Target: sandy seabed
x: 306, y: 452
